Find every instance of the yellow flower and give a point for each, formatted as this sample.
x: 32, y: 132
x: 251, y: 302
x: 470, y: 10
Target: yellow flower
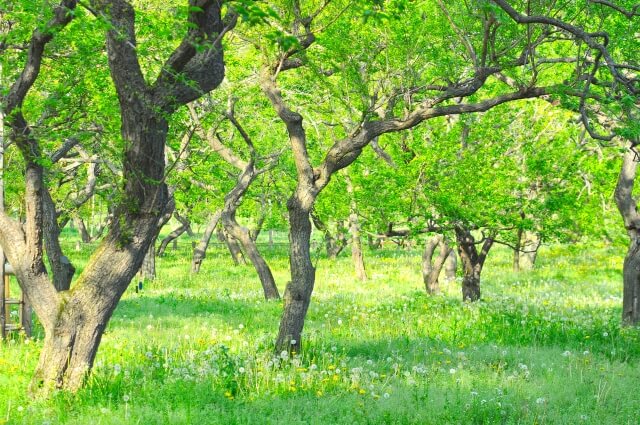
x: 362, y: 391
x: 319, y: 393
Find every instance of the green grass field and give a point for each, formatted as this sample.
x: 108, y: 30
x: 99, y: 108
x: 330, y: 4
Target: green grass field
x: 541, y: 347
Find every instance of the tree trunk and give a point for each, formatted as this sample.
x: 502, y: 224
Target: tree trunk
x: 357, y: 255
x: 70, y: 348
x: 472, y: 262
x: 84, y: 234
x: 148, y: 269
x: 200, y: 252
x: 631, y: 268
x: 530, y: 247
x: 233, y: 246
x: 451, y: 266
x: 262, y: 268
x: 297, y: 295
x: 334, y: 245
x: 241, y: 234
x: 374, y: 243
x: 171, y: 237
x: 516, y: 251
x: 62, y: 270
x: 431, y: 271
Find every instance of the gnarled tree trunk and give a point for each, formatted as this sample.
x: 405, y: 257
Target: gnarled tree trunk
x: 74, y: 320
x: 200, y: 252
x: 297, y: 295
x: 242, y: 235
x: 472, y: 262
x: 431, y: 271
x: 185, y: 226
x: 629, y: 211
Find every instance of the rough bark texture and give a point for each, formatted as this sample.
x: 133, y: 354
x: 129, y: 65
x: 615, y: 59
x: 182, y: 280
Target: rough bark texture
x: 430, y: 270
x: 82, y: 229
x: 297, y: 295
x: 629, y: 211
x: 200, y: 252
x: 62, y: 270
x: 472, y: 262
x: 148, y: 268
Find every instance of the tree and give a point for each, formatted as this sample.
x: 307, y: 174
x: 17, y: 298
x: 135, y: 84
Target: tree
x: 607, y: 76
x: 424, y: 102
x: 74, y: 320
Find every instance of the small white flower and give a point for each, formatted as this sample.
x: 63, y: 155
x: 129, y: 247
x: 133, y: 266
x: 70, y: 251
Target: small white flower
x: 240, y: 326
x: 104, y: 410
x: 566, y: 353
x: 125, y: 398
x: 293, y: 342
x: 540, y: 400
x: 474, y: 393
x: 452, y: 371
x: 149, y: 327
x: 605, y: 334
x: 20, y: 408
x: 334, y: 348
x: 585, y: 353
x: 339, y: 321
x: 369, y: 362
x: 241, y: 370
x: 386, y: 395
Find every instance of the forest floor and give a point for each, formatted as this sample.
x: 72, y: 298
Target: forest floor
x: 541, y: 347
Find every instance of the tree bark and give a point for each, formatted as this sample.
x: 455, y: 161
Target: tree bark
x: 431, y: 271
x: 62, y: 270
x: 631, y: 269
x: 530, y: 247
x: 233, y: 246
x: 472, y: 262
x: 173, y: 236
x: 242, y: 235
x: 334, y: 245
x: 451, y: 266
x: 84, y: 234
x: 357, y: 256
x: 297, y: 295
x: 200, y: 252
x: 148, y: 268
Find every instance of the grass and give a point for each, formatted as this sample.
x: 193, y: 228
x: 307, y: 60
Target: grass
x: 541, y: 347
